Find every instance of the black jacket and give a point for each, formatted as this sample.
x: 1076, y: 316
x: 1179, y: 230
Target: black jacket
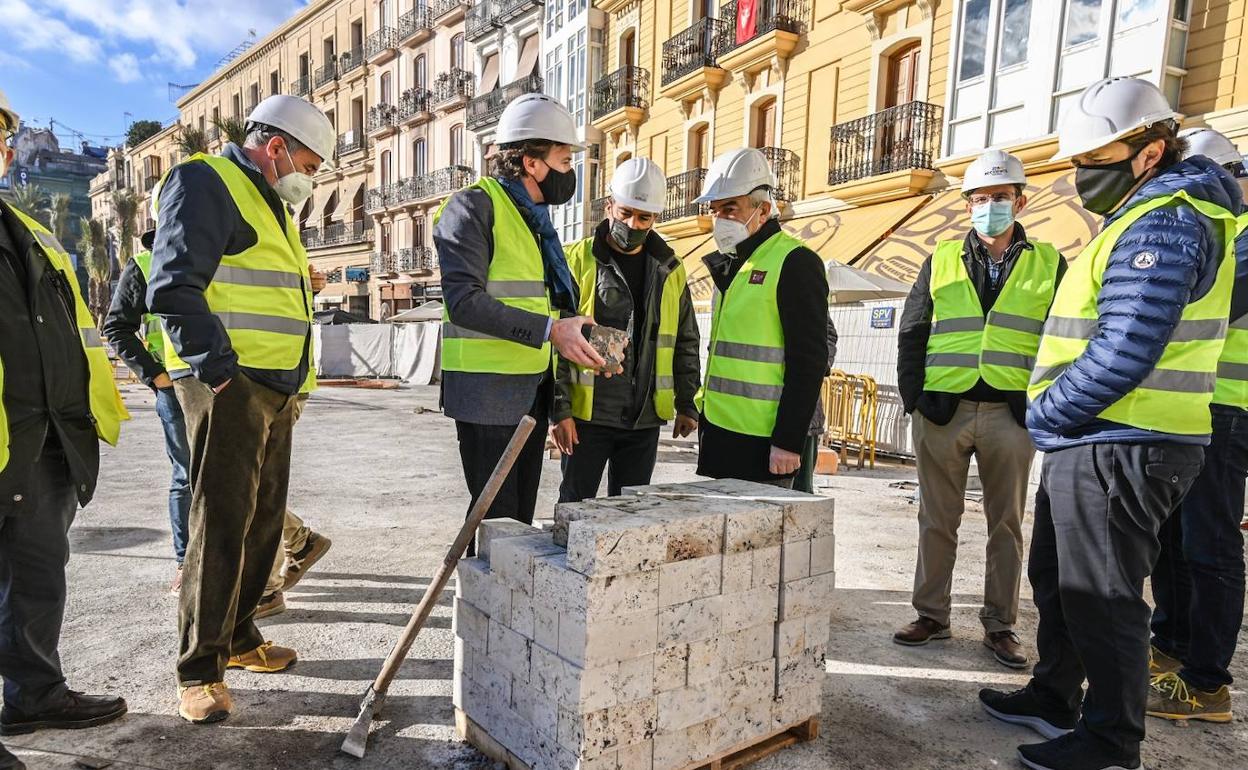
x: 802, y: 298
x: 125, y: 320
x: 627, y: 400
x: 916, y: 327
x: 46, y: 375
x: 198, y: 224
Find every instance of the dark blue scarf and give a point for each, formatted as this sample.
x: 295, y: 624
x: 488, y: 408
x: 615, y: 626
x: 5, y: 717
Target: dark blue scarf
x: 564, y: 293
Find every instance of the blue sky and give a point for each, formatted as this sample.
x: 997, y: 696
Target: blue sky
x: 85, y: 63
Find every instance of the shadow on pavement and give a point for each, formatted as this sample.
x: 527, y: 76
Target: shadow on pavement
x: 365, y: 669
x: 113, y: 538
x: 296, y: 614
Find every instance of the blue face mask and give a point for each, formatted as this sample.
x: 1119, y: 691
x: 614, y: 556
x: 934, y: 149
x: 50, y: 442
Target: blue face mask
x: 992, y: 219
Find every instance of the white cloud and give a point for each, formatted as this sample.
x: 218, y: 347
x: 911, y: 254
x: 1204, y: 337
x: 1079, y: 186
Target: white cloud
x: 125, y: 66
x: 33, y: 30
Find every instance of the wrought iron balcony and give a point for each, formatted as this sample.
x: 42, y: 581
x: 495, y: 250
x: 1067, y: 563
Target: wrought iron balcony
x: 416, y: 259
x: 626, y: 87
x: 358, y: 231
x: 413, y: 104
x: 785, y: 15
x: 301, y: 86
x: 451, y: 88
x: 381, y: 118
x: 692, y: 49
x: 325, y: 74
x: 381, y: 42
x: 310, y: 237
x: 383, y: 263
x: 335, y: 234
x: 481, y: 19
x: 213, y: 133
x: 444, y: 181
x: 903, y: 137
x: 351, y: 60
x: 509, y: 10
x: 375, y: 198
x: 334, y: 276
x: 448, y: 11
x: 787, y: 167
x: 484, y: 110
x: 682, y: 192
x: 597, y: 211
x: 352, y: 141
x: 417, y: 20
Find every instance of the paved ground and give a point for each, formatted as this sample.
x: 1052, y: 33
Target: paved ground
x: 378, y: 472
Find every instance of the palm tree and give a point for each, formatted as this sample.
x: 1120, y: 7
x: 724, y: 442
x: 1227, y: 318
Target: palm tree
x: 234, y: 129
x: 126, y: 207
x: 192, y: 140
x: 94, y: 251
x: 32, y: 200
x: 59, y: 216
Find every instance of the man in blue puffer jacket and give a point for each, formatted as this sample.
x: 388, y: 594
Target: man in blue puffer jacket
x: 1120, y: 406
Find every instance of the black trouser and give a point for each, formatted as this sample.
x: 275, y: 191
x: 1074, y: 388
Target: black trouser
x: 1098, y: 512
x: 805, y: 479
x: 1198, y: 583
x: 34, y: 548
x: 481, y: 446
x: 240, y: 470
x: 627, y: 455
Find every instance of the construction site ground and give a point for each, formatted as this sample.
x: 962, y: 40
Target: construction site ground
x: 378, y: 471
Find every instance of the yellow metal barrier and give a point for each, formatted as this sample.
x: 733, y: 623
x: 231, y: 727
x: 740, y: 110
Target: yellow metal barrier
x: 850, y: 405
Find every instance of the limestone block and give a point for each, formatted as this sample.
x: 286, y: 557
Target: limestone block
x: 636, y: 678
x: 595, y: 597
x: 690, y: 622
x: 493, y: 678
x: 565, y: 513
x: 639, y: 756
x: 808, y: 596
x: 818, y: 629
x: 471, y: 625
x: 513, y: 558
x: 552, y: 675
x: 796, y: 706
x: 497, y: 599
x: 822, y: 555
x: 545, y: 625
x: 739, y: 726
x: 705, y: 661
x: 609, y: 343
x: 566, y: 760
x: 649, y: 532
x: 757, y: 525
x: 592, y: 689
x: 459, y: 679
x: 678, y: 709
x: 535, y: 707
x: 591, y: 734
x: 671, y: 665
x: 748, y: 645
x: 495, y: 529
x: 522, y: 618
x: 800, y: 671
x: 751, y: 608
x: 791, y: 636
x: 738, y: 572
x: 684, y: 581
x: 509, y: 650
x: 683, y: 747
x: 752, y: 683
x: 608, y: 640
x: 766, y: 571
x: 471, y: 578
x: 795, y: 560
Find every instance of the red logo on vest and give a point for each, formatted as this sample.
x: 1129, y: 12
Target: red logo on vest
x: 758, y: 277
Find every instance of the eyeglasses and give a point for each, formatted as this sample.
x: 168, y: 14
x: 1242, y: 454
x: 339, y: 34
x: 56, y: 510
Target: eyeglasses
x: 979, y: 200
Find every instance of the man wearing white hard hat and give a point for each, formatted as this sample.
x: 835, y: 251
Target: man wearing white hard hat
x: 967, y: 339
x: 1198, y: 582
x: 510, y: 300
x: 1119, y: 404
x: 631, y: 280
x: 57, y: 402
x: 769, y: 344
x: 230, y: 283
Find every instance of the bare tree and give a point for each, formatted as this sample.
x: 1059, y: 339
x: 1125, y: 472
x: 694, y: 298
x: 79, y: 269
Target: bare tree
x: 126, y: 208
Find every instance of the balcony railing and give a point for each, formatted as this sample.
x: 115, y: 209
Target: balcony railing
x: 449, y: 86
x: 375, y: 198
x: 597, y: 211
x: 353, y: 141
x: 692, y: 49
x: 903, y: 137
x: 213, y: 134
x: 626, y: 87
x: 351, y: 60
x: 325, y: 74
x: 383, y: 263
x: 413, y: 102
x: 419, y: 19
x: 335, y: 234
x: 417, y: 259
x: 771, y: 15
x: 484, y: 110
x: 482, y: 19
x: 441, y: 8
x: 301, y: 86
x: 380, y: 117
x: 379, y: 41
x: 445, y: 181
x: 514, y: 9
x: 787, y: 167
x: 310, y: 237
x: 682, y: 192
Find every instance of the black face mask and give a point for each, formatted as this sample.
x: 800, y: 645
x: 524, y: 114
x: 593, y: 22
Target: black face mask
x: 1102, y: 188
x: 558, y: 187
x: 627, y: 238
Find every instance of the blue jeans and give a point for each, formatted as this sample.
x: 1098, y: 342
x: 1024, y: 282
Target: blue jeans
x: 1198, y: 583
x: 179, y: 451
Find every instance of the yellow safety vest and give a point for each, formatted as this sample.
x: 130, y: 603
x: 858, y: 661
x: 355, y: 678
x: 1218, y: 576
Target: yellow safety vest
x: 261, y: 295
x: 107, y: 409
x: 1001, y: 348
x: 1175, y: 396
x: 1232, y: 385
x: 584, y: 269
x: 153, y: 332
x: 517, y: 279
x: 745, y: 370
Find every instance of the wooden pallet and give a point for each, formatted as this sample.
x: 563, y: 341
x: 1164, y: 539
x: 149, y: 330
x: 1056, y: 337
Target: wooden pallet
x: 737, y: 757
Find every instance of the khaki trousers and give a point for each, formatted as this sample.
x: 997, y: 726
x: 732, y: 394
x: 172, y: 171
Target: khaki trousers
x: 1003, y: 451
x: 294, y: 533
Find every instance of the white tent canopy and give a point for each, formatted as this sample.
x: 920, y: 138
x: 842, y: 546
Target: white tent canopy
x: 847, y: 285
x: 430, y: 311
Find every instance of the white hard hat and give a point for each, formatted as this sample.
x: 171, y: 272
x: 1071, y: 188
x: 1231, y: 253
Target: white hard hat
x: 639, y: 184
x: 992, y: 168
x: 735, y: 173
x: 537, y: 117
x: 7, y: 110
x: 299, y: 118
x: 1211, y: 144
x: 1109, y: 110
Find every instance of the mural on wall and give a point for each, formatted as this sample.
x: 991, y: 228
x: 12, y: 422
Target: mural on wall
x: 1053, y: 214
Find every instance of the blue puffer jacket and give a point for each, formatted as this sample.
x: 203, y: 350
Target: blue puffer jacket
x: 1139, y: 308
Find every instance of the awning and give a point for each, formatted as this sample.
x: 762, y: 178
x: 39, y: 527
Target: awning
x: 320, y: 197
x: 528, y: 57
x: 1053, y: 214
x: 344, y: 203
x: 489, y: 76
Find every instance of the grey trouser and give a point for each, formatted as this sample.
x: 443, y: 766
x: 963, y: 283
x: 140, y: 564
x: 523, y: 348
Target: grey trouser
x: 1003, y: 452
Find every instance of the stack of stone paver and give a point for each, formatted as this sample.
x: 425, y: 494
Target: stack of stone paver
x: 651, y: 631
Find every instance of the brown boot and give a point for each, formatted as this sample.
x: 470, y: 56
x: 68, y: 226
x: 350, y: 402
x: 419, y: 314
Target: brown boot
x: 268, y: 658
x: 271, y: 604
x: 175, y: 587
x: 921, y: 632
x: 297, y: 565
x: 1161, y: 663
x: 205, y: 703
x: 1006, y: 648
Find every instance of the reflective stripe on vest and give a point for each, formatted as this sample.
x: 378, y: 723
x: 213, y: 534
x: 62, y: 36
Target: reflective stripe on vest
x: 261, y: 295
x: 745, y: 370
x: 153, y: 332
x: 1232, y: 385
x: 964, y: 346
x: 107, y: 409
x: 584, y: 269
x: 517, y: 279
x: 1189, y: 363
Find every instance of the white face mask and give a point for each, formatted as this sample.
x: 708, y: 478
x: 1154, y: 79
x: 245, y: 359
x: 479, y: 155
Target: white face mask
x: 295, y: 187
x: 729, y: 232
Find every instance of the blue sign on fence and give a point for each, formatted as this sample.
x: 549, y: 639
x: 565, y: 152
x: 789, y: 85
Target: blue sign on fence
x: 883, y: 317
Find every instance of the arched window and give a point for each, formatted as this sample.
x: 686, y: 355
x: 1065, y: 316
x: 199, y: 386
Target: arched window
x: 628, y: 48
x: 384, y: 96
x: 457, y: 52
x: 420, y: 72
x: 902, y: 75
x: 457, y: 144
x: 385, y: 168
x: 763, y: 123
x: 419, y: 158
x: 327, y: 213
x: 698, y: 147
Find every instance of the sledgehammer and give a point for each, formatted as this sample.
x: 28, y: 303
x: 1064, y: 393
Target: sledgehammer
x: 356, y: 742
